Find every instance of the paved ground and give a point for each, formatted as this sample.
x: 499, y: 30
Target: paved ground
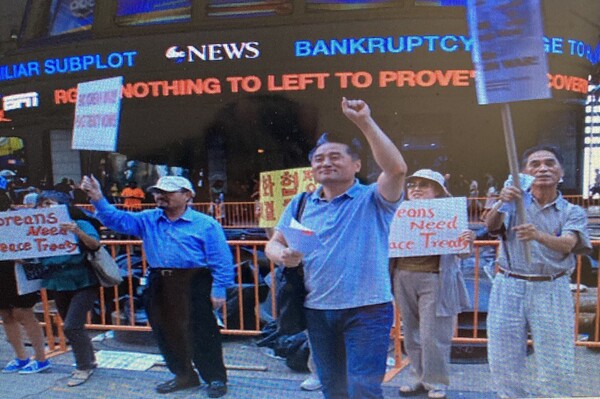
x: 469, y: 381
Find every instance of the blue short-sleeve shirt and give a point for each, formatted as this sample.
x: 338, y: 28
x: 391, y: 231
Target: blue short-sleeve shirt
x: 352, y: 270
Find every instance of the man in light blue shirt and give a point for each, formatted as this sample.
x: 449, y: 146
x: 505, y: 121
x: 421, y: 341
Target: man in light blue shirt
x: 535, y: 296
x: 349, y: 301
x: 187, y: 253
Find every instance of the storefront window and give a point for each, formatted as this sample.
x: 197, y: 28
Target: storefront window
x: 148, y: 12
x: 242, y: 9
x: 70, y: 16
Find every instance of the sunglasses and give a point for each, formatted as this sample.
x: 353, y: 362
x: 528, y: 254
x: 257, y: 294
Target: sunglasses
x: 411, y: 185
x: 158, y: 191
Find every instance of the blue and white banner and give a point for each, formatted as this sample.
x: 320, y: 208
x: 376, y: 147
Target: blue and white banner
x: 508, y: 50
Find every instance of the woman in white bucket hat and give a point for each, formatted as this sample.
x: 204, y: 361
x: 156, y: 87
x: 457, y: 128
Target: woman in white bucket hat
x: 430, y: 292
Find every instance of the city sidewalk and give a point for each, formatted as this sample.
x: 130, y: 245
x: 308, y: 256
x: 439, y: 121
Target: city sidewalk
x: 253, y: 374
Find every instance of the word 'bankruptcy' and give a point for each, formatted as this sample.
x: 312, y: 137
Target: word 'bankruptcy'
x: 35, y: 233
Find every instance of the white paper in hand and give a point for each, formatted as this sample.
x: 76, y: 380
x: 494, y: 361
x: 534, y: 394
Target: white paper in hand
x: 525, y: 181
x: 300, y: 238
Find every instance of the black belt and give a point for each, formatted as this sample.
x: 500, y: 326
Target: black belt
x: 532, y: 278
x: 172, y: 272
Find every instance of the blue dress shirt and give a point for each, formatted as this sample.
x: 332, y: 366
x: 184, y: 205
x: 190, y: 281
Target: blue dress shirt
x: 192, y: 240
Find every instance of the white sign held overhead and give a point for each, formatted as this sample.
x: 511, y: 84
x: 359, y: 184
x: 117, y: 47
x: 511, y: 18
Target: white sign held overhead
x: 97, y: 110
x: 508, y: 50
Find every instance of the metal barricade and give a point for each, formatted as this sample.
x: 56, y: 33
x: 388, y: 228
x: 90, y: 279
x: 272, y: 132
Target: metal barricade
x: 113, y: 301
x: 245, y: 214
x: 587, y: 329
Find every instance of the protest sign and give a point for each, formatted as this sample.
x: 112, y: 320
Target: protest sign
x: 35, y: 233
x: 508, y: 50
x: 429, y: 227
x: 97, y: 115
x: 277, y: 189
x: 29, y: 277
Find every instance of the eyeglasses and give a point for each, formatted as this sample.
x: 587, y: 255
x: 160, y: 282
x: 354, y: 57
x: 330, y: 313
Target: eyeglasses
x: 411, y: 185
x: 158, y: 191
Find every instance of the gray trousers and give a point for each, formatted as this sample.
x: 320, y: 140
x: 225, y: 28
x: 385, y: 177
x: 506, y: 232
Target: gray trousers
x: 427, y: 337
x: 73, y: 307
x: 544, y: 308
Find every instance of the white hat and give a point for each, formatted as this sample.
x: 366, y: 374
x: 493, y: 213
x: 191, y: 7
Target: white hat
x: 171, y: 184
x: 431, y: 175
x: 7, y: 173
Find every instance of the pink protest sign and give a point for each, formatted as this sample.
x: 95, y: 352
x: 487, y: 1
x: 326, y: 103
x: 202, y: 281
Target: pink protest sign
x: 429, y: 227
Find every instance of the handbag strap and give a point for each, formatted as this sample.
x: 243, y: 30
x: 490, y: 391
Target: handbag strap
x: 301, y: 205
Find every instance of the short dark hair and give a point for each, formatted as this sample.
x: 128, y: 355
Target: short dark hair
x: 57, y: 196
x: 353, y: 144
x: 541, y: 147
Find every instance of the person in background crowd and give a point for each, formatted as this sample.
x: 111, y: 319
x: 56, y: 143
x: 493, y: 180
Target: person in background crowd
x: 187, y: 255
x: 78, y: 196
x: 474, y: 205
x: 348, y: 305
x: 5, y: 202
x: 491, y: 195
x: 595, y: 189
x: 132, y: 196
x: 114, y: 195
x: 30, y: 199
x: 430, y: 292
x: 534, y: 297
x: 16, y: 311
x: 64, y: 186
x: 73, y: 284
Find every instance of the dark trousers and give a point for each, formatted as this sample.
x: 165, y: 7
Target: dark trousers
x: 73, y: 307
x: 181, y: 315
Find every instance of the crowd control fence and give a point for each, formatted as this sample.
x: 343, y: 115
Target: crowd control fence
x: 253, y: 294
x: 246, y: 214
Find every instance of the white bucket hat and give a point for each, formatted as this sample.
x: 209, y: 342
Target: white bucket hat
x: 171, y: 184
x: 431, y: 175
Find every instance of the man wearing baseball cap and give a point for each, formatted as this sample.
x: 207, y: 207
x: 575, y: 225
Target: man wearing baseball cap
x: 187, y: 253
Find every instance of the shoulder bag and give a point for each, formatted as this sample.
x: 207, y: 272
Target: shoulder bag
x: 292, y: 292
x: 105, y: 267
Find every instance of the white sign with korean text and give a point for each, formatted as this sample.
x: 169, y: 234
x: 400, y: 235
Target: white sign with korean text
x: 429, y: 227
x: 97, y: 111
x: 35, y: 233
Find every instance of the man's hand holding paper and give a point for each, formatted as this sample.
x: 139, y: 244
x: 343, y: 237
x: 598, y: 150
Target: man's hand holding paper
x: 301, y: 240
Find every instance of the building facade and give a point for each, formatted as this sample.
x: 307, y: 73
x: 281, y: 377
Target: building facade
x: 220, y: 92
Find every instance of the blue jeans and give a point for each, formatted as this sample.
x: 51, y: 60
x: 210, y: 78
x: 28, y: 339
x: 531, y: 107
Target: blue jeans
x: 350, y: 349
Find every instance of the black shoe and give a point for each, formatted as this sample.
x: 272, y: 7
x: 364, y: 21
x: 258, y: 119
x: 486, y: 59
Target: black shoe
x: 216, y: 389
x: 175, y: 385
